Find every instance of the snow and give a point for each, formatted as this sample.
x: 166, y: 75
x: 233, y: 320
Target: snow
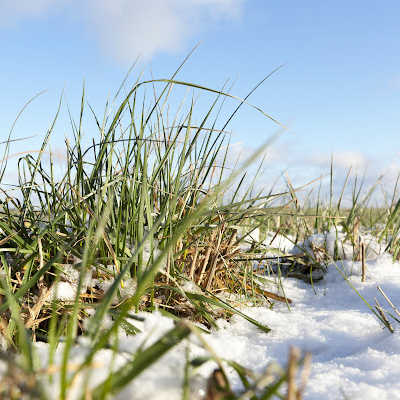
x: 336, y: 239
x: 277, y: 244
x: 126, y: 289
x: 351, y: 352
x: 66, y: 288
x: 353, y: 355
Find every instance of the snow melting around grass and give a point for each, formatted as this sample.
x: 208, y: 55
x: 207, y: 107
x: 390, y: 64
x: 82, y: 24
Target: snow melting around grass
x: 353, y: 356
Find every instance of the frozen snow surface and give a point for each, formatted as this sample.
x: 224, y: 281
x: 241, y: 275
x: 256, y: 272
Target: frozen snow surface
x: 353, y: 356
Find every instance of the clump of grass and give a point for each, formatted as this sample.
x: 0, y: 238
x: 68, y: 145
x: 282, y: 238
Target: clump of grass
x: 142, y: 205
x: 138, y: 221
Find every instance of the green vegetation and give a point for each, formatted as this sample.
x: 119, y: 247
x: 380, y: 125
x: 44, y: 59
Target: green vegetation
x: 143, y: 207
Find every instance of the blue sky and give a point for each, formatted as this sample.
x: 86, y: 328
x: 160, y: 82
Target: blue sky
x: 339, y: 89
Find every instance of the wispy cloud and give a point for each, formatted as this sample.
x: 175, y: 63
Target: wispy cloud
x: 126, y: 29
x: 303, y: 168
x: 341, y: 160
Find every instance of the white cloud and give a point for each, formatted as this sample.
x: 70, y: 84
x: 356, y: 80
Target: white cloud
x: 302, y: 168
x: 130, y: 28
x: 342, y: 160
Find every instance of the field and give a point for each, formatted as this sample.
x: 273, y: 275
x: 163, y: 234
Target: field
x: 148, y: 268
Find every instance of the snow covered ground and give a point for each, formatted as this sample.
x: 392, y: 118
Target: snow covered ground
x: 353, y: 356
